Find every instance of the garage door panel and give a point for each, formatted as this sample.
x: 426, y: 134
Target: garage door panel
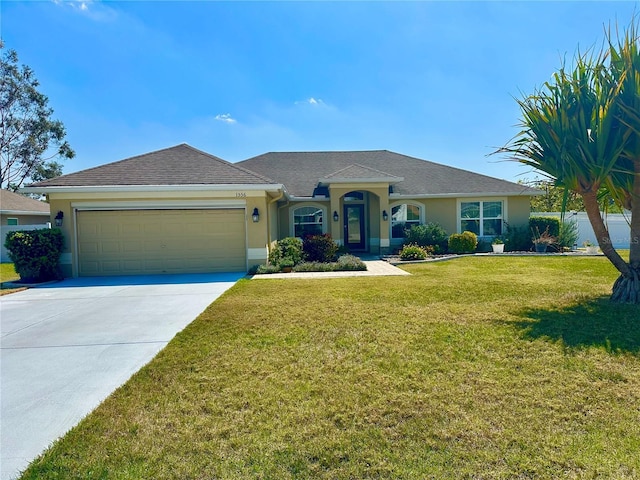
x: 161, y: 241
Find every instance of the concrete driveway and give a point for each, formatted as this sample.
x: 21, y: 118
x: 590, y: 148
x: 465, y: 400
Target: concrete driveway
x: 66, y: 346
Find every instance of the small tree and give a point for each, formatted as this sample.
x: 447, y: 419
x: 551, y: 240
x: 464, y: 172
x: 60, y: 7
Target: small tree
x: 582, y: 129
x: 29, y: 138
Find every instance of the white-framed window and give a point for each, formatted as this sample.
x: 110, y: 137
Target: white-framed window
x: 482, y: 217
x: 404, y: 216
x: 308, y: 220
x: 12, y: 221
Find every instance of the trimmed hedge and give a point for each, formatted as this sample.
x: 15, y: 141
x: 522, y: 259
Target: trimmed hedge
x: 540, y: 224
x: 465, y: 242
x: 36, y: 253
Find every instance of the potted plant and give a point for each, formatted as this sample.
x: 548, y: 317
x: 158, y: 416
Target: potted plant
x: 497, y: 245
x: 286, y: 264
x: 542, y: 240
x: 590, y: 247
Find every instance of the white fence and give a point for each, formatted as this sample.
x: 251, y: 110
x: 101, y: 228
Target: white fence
x: 4, y: 229
x: 617, y: 223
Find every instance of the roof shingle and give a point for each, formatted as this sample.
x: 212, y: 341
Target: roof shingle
x: 179, y: 165
x: 300, y: 172
x: 13, y: 202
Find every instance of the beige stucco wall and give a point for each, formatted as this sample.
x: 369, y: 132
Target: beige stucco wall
x: 258, y: 234
x: 26, y: 219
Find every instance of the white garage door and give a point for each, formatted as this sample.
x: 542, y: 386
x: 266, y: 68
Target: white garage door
x: 131, y: 242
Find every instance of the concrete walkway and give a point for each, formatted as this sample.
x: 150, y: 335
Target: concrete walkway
x: 66, y: 346
x: 374, y: 268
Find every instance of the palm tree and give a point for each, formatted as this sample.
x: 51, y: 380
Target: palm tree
x: 582, y: 130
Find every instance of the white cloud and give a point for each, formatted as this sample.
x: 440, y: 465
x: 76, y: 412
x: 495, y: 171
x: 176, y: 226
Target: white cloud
x: 316, y: 102
x: 93, y: 9
x: 225, y: 117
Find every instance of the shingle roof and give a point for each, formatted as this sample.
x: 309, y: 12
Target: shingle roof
x: 301, y: 171
x: 361, y: 172
x: 179, y: 165
x: 13, y: 202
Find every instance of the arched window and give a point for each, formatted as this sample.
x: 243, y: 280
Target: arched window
x: 308, y: 221
x: 404, y: 216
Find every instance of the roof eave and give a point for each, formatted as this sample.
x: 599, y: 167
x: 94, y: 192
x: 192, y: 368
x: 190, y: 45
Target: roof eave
x: 465, y: 195
x: 24, y: 212
x: 272, y: 187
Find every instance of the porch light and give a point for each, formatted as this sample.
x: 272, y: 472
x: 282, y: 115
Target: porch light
x: 336, y: 217
x: 385, y: 215
x: 255, y: 215
x: 58, y: 218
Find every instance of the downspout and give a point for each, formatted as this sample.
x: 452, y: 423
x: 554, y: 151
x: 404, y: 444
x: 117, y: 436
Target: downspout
x: 272, y: 201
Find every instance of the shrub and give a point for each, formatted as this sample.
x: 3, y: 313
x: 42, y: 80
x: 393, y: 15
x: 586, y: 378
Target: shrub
x: 344, y: 263
x: 36, y: 253
x: 350, y: 263
x: 319, y: 248
x: 518, y: 239
x: 540, y: 224
x: 413, y: 252
x: 465, y: 242
x: 289, y: 247
x: 263, y: 269
x: 428, y: 235
x: 568, y: 235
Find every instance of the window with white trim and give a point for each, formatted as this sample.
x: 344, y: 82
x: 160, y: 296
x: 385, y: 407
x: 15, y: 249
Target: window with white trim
x: 12, y: 221
x: 403, y: 217
x: 484, y: 218
x: 308, y: 221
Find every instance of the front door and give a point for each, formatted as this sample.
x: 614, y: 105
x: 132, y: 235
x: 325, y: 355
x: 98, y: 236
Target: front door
x: 354, y: 227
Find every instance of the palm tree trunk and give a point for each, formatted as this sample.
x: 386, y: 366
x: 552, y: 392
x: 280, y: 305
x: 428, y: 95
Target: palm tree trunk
x: 626, y: 288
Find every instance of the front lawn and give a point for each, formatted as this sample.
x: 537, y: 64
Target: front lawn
x: 481, y: 367
x: 8, y: 274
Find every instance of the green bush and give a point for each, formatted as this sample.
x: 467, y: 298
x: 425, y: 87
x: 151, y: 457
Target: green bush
x: 518, y: 239
x: 413, y: 252
x: 344, y: 263
x: 319, y: 248
x: 289, y: 247
x: 568, y: 235
x: 428, y: 235
x: 36, y: 253
x: 350, y: 263
x: 264, y: 269
x: 540, y: 224
x: 465, y: 242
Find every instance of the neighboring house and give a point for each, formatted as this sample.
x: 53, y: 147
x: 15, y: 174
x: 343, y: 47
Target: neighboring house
x: 183, y: 210
x: 18, y: 212
x: 16, y: 209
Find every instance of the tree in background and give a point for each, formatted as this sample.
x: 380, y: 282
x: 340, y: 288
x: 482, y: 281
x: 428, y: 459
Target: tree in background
x: 29, y: 138
x: 559, y: 199
x: 582, y: 130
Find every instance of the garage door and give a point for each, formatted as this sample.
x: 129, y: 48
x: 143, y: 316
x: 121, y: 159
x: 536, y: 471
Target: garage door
x: 131, y: 242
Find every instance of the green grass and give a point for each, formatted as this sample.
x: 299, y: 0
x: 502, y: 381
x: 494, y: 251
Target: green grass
x: 482, y: 367
x: 8, y: 274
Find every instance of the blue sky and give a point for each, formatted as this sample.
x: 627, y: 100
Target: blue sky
x: 435, y: 80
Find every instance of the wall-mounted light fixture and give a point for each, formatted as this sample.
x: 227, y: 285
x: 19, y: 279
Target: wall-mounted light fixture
x: 336, y: 217
x: 59, y: 217
x: 385, y: 215
x: 255, y: 215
